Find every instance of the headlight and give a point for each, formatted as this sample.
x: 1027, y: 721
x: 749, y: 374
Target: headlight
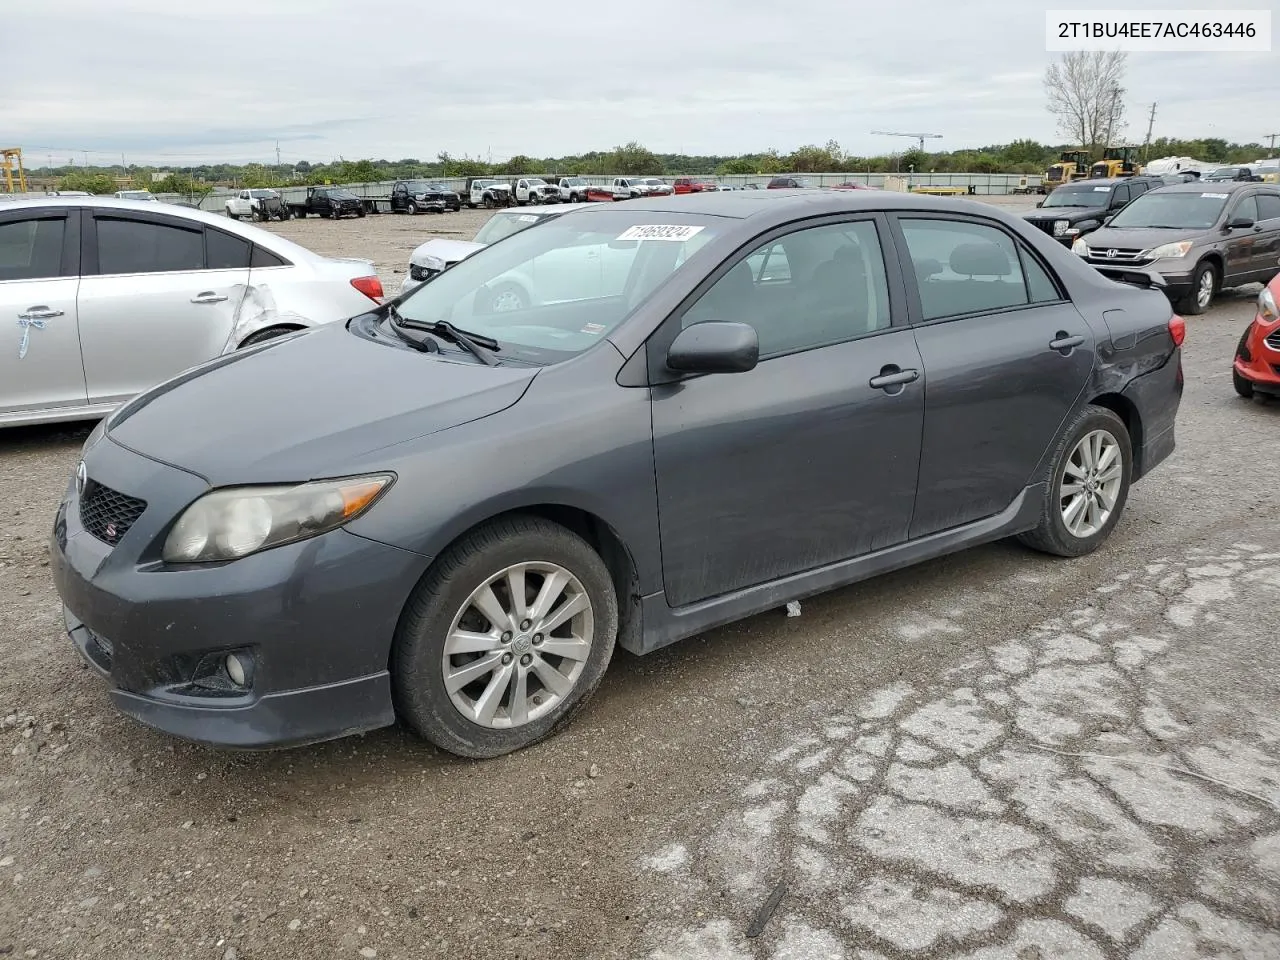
x: 1060, y: 227
x: 1178, y: 249
x: 1080, y: 248
x: 419, y: 196
x: 232, y: 523
x: 1267, y: 305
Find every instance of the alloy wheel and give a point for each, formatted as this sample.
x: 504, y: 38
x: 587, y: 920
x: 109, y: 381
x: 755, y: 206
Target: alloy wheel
x: 1091, y: 481
x: 1204, y: 291
x: 518, y: 645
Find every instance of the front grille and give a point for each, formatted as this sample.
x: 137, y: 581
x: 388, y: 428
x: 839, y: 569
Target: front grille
x: 1273, y: 339
x: 1124, y: 255
x: 420, y: 273
x: 108, y: 514
x: 1045, y: 225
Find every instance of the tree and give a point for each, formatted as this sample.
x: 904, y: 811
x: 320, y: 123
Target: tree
x: 632, y: 159
x: 1085, y: 94
x: 302, y: 166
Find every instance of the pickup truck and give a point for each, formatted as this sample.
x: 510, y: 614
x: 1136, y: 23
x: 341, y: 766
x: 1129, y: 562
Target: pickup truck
x: 487, y: 192
x: 572, y: 189
x: 332, y: 202
x: 256, y: 204
x: 418, y: 196
x: 535, y: 190
x: 627, y: 188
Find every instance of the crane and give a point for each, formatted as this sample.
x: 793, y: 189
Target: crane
x: 922, y: 137
x: 11, y: 163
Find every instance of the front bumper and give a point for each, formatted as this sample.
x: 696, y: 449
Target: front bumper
x: 315, y: 620
x: 436, y: 204
x: 1256, y: 361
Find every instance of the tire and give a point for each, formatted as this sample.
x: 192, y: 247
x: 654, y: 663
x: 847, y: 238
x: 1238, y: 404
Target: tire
x: 488, y: 202
x: 510, y: 294
x: 442, y: 602
x: 233, y: 216
x: 1052, y: 534
x: 573, y: 198
x: 1195, y: 302
x: 471, y: 205
x: 412, y: 210
x: 360, y: 212
x: 263, y: 335
x: 1243, y: 386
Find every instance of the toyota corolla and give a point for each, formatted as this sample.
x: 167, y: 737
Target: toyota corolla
x: 451, y: 511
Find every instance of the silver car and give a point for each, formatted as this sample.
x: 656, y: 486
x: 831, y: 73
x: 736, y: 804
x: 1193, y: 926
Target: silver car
x: 101, y: 299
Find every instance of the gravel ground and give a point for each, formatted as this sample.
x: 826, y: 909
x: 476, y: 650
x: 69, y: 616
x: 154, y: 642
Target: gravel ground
x: 992, y: 755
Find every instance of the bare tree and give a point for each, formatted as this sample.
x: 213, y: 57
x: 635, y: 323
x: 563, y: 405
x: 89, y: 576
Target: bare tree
x: 1085, y: 93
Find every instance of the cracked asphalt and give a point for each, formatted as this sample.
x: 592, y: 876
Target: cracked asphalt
x: 996, y: 754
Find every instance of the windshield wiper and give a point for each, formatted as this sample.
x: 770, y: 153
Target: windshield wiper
x: 480, y: 346
x: 422, y: 346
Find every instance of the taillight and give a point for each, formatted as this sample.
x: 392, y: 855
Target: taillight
x: 371, y: 287
x: 1177, y: 329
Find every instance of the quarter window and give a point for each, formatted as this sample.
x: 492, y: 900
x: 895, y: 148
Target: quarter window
x: 138, y: 246
x: 807, y: 289
x: 963, y: 267
x: 225, y: 252
x: 265, y: 258
x: 31, y: 249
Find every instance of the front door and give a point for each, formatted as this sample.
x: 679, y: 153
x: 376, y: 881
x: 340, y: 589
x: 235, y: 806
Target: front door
x: 801, y: 462
x: 1267, y: 243
x: 40, y: 347
x: 153, y: 307
x: 1006, y: 356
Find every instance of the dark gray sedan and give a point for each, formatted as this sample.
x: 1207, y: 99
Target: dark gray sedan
x: 452, y: 508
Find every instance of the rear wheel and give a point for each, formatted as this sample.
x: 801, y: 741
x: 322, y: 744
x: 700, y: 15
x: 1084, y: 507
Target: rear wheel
x: 1087, y: 487
x: 1204, y: 286
x: 505, y: 638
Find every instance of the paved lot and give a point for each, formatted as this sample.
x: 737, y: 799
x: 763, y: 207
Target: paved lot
x: 993, y: 755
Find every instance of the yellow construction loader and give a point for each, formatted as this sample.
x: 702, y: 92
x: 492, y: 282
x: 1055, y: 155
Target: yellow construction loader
x: 1116, y: 162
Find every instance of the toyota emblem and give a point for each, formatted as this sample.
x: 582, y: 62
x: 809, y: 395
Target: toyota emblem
x: 82, y: 478
x: 1113, y: 252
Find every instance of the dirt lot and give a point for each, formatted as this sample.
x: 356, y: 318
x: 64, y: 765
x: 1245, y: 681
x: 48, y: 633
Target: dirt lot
x: 992, y: 755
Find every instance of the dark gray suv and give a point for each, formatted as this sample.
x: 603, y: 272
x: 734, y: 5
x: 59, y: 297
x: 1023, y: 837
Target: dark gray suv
x: 453, y: 507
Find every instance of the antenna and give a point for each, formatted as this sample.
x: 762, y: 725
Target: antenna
x: 921, y: 137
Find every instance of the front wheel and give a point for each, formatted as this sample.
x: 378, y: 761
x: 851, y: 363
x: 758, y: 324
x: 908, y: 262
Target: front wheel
x: 1088, y: 485
x: 505, y: 639
x: 412, y: 209
x: 1204, y: 285
x: 233, y: 216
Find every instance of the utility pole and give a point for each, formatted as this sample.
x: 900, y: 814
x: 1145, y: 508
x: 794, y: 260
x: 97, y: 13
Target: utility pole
x: 1272, y: 137
x: 1150, y: 124
x: 277, y: 153
x: 1111, y: 115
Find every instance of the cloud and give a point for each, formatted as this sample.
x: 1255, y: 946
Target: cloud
x: 160, y: 81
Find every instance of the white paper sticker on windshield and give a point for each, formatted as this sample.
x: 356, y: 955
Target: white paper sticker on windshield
x: 527, y: 218
x: 596, y: 328
x: 657, y: 231
x: 1101, y: 189
x: 1214, y: 196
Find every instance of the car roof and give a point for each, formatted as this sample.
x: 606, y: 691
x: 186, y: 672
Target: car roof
x: 1197, y: 186
x: 800, y: 202
x: 270, y: 241
x: 1108, y: 181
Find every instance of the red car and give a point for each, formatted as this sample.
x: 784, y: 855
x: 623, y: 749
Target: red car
x: 690, y: 185
x: 1257, y: 365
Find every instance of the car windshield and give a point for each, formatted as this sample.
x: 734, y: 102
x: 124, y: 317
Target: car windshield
x: 1178, y: 211
x: 503, y: 225
x: 550, y: 293
x: 424, y: 186
x: 652, y: 180
x: 575, y: 182
x: 262, y: 194
x: 343, y: 195
x: 1225, y: 173
x: 536, y: 181
x: 1079, y: 197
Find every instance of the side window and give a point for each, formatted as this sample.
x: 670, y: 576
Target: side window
x: 963, y: 267
x: 807, y: 289
x: 244, y: 194
x: 31, y: 249
x: 1138, y: 188
x: 225, y: 252
x: 1248, y: 207
x: 1119, y: 196
x: 137, y: 246
x: 265, y: 258
x: 1268, y: 206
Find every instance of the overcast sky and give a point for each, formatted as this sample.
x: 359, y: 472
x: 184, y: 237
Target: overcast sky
x: 393, y: 79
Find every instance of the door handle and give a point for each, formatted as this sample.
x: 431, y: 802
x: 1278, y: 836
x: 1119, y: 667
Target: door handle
x: 891, y: 376
x: 207, y: 297
x: 1065, y: 342
x: 39, y: 313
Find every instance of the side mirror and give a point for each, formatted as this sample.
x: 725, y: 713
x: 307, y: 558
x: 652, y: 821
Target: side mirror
x: 1107, y: 219
x: 1241, y: 223
x: 714, y: 347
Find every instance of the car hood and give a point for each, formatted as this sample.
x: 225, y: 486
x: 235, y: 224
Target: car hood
x: 450, y: 251
x: 1138, y: 238
x: 308, y: 406
x: 1070, y: 214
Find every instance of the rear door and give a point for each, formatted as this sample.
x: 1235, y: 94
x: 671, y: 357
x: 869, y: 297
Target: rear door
x: 153, y: 301
x: 1006, y: 357
x: 39, y: 339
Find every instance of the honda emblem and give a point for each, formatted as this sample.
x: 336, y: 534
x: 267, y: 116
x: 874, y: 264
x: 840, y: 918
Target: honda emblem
x: 110, y: 531
x: 1113, y: 252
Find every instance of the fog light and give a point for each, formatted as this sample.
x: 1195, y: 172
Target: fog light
x: 237, y: 670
